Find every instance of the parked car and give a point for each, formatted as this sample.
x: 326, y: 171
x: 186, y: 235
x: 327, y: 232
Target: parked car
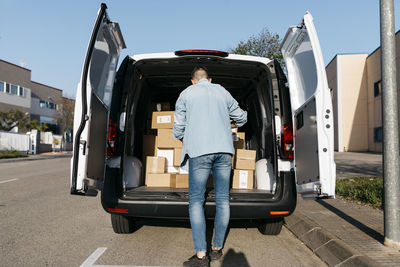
x: 290, y: 125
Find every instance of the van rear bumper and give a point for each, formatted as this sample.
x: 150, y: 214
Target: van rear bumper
x: 283, y: 201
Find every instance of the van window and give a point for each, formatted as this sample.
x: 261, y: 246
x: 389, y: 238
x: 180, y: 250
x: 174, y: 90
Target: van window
x: 304, y: 65
x: 103, y: 64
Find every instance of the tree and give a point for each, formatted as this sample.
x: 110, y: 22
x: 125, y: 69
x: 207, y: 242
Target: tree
x: 36, y: 125
x: 14, y: 118
x: 263, y: 44
x: 65, y: 116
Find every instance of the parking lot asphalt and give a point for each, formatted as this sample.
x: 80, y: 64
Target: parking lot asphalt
x: 43, y: 225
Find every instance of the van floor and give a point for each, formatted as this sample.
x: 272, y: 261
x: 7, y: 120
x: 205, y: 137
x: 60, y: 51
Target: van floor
x: 165, y: 193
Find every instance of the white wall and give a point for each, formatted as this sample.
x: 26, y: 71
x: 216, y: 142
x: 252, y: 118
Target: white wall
x: 14, y: 141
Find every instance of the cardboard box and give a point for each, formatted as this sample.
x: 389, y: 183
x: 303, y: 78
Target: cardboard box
x: 242, y: 179
x: 160, y: 179
x: 177, y: 156
x: 162, y: 120
x: 182, y: 171
x: 155, y: 165
x: 168, y: 154
x: 165, y: 139
x: 149, y: 145
x: 172, y: 169
x: 181, y: 181
x: 245, y: 159
x: 239, y: 141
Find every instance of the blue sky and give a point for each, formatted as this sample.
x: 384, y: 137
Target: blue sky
x: 51, y: 36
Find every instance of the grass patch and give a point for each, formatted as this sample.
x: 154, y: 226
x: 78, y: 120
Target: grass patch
x: 8, y: 154
x: 365, y: 189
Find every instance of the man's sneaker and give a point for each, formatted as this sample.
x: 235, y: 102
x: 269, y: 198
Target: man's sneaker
x: 215, y: 254
x: 194, y: 261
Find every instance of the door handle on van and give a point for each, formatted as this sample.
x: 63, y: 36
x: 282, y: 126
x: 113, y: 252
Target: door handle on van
x: 83, y: 144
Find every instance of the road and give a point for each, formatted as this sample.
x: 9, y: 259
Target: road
x: 43, y: 225
x: 353, y: 164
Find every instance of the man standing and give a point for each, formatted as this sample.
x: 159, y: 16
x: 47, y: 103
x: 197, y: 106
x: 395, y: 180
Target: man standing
x: 202, y: 119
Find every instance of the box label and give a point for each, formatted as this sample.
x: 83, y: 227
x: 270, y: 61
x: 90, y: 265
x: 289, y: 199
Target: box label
x: 243, y: 178
x: 164, y: 119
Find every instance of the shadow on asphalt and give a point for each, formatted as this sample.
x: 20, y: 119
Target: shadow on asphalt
x: 369, y: 231
x: 233, y: 258
x: 229, y: 258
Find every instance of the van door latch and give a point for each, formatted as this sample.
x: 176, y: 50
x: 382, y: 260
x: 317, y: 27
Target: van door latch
x: 83, y: 145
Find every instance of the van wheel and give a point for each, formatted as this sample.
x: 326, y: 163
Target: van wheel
x: 122, y: 224
x: 271, y: 226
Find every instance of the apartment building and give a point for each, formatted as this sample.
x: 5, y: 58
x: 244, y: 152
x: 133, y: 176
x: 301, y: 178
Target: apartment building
x: 15, y: 83
x: 18, y: 91
x: 355, y: 80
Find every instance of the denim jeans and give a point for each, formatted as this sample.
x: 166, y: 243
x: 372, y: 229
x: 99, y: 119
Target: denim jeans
x: 199, y: 170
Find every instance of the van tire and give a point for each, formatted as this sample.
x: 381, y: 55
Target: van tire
x: 270, y: 226
x: 122, y: 224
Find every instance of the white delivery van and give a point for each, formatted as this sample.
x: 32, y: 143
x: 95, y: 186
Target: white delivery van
x: 290, y: 125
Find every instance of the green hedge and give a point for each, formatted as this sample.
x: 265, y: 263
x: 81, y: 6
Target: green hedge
x: 6, y: 154
x: 365, y: 189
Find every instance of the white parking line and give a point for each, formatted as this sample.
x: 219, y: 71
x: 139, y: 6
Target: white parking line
x: 89, y: 262
x: 6, y: 181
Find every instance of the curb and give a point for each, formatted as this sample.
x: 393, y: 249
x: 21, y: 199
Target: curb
x: 35, y: 158
x: 328, y: 247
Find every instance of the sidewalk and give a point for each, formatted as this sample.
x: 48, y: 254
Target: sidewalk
x: 342, y: 233
x: 47, y: 155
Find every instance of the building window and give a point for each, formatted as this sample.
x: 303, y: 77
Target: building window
x: 377, y: 88
x: 47, y: 104
x: 42, y: 104
x: 378, y: 134
x: 14, y: 89
x: 21, y: 91
x: 1, y: 86
x: 7, y: 88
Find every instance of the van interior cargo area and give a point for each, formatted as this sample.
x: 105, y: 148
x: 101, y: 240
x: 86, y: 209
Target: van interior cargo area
x: 162, y: 80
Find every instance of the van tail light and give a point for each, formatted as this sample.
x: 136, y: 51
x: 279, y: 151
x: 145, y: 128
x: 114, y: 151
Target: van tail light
x: 118, y: 210
x: 288, y: 141
x: 201, y: 52
x: 111, y: 137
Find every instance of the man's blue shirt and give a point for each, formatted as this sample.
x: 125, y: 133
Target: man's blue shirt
x: 202, y: 118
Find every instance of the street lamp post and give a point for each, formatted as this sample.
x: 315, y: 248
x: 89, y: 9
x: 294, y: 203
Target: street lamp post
x: 391, y: 158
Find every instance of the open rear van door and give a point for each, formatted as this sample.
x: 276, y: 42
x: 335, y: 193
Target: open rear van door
x: 312, y: 111
x: 92, y: 105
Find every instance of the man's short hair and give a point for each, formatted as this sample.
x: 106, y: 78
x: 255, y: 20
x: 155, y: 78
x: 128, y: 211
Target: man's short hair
x: 199, y: 73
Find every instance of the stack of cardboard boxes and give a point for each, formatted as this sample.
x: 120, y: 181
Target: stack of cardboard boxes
x: 244, y: 162
x: 163, y: 154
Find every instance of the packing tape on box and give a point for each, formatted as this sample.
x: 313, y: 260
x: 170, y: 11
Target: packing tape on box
x: 245, y: 158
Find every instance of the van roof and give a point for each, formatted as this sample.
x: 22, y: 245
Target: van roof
x: 138, y: 57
